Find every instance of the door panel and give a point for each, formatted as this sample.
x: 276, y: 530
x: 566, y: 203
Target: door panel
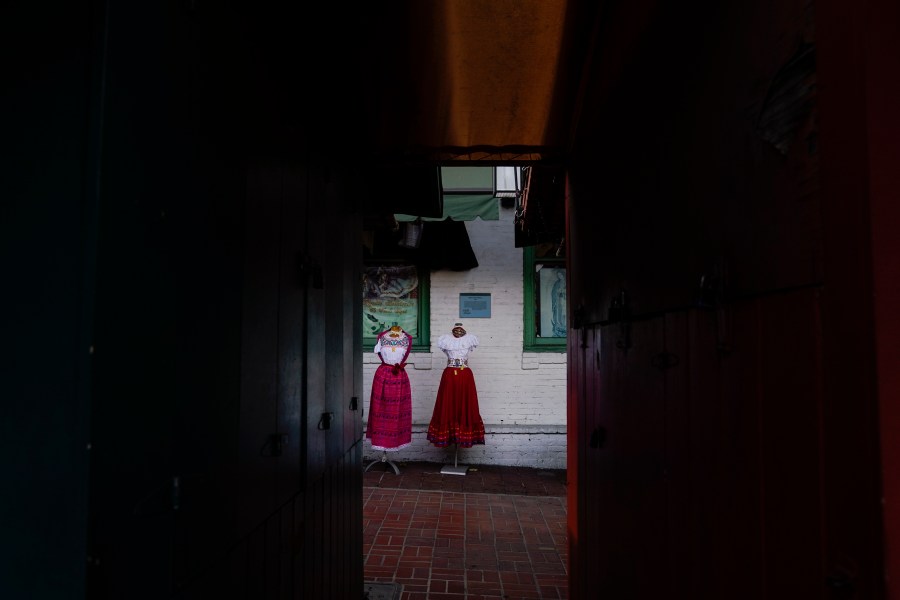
x: 586, y: 455
x: 260, y: 346
x: 334, y: 263
x: 292, y: 298
x: 701, y: 453
x: 319, y: 280
x: 790, y: 444
x: 682, y: 441
x: 631, y: 467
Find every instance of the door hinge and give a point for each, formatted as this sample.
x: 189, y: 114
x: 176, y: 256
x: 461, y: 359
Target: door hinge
x: 310, y: 272
x: 274, y: 445
x: 620, y: 313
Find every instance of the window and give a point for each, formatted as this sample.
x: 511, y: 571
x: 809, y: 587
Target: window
x: 397, y: 270
x: 545, y: 299
x: 396, y: 293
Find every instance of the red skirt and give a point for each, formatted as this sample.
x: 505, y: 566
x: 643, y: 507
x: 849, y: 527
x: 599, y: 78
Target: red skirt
x: 456, y: 419
x: 390, y: 409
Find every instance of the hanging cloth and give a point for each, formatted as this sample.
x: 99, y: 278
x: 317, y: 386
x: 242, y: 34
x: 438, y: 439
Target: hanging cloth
x: 446, y: 245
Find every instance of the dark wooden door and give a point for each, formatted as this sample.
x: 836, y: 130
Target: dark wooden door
x: 273, y: 338
x: 702, y: 440
x: 630, y: 464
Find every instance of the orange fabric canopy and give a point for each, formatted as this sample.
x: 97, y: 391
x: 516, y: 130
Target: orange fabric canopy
x: 462, y: 80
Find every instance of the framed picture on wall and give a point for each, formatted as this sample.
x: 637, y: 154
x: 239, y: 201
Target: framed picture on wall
x: 390, y: 296
x: 552, y: 303
x: 544, y: 299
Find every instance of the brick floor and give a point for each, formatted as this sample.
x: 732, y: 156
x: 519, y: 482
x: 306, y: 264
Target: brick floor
x: 496, y: 533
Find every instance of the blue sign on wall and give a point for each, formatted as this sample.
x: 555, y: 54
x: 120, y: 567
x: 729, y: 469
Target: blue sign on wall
x: 477, y: 306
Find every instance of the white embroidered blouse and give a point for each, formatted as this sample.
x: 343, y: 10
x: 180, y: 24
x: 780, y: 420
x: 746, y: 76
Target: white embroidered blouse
x: 457, y: 347
x: 393, y: 349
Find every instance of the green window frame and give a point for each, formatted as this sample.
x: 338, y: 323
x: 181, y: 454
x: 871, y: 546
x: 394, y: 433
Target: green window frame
x: 374, y: 324
x: 542, y: 269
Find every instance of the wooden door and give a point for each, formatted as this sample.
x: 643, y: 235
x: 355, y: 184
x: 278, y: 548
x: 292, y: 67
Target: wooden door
x: 272, y: 345
x: 631, y: 463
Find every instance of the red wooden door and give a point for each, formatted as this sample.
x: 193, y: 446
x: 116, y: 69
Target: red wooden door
x: 621, y: 506
x: 701, y: 446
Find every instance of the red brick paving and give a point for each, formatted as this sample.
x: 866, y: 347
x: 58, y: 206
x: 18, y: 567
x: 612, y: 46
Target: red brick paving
x: 496, y: 533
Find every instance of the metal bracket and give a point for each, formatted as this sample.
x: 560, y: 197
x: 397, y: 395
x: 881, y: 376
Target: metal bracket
x: 384, y: 459
x: 310, y: 272
x: 325, y: 421
x: 620, y: 312
x: 664, y: 360
x: 274, y: 445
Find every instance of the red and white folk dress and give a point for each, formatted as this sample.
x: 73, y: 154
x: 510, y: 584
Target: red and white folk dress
x: 456, y: 418
x: 389, y: 425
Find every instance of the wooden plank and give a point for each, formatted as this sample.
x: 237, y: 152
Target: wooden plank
x: 713, y: 452
x: 337, y: 304
x: 704, y: 465
x: 351, y: 319
x: 737, y: 521
x: 603, y: 466
x: 286, y: 574
x: 272, y: 554
x: 318, y: 282
x: 300, y: 548
x: 790, y: 445
x: 679, y: 470
x: 291, y: 331
x: 579, y: 473
x: 234, y: 577
x: 353, y: 517
x: 317, y: 542
x: 594, y: 430
x: 856, y: 47
x: 259, y: 350
x: 883, y: 136
x: 255, y: 569
x: 634, y: 518
x: 642, y: 425
x: 332, y: 508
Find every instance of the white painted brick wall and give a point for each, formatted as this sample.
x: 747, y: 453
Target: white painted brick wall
x: 522, y: 396
x: 521, y: 446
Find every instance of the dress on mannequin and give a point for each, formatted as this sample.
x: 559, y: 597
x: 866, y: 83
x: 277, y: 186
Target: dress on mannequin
x: 389, y: 425
x: 456, y: 418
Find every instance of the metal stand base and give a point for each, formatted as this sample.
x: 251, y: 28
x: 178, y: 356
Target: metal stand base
x: 455, y: 469
x: 384, y: 459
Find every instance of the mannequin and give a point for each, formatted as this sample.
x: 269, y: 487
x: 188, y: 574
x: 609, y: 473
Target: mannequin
x: 456, y: 418
x: 390, y: 404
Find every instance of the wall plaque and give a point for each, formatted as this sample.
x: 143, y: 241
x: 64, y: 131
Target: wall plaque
x: 477, y: 306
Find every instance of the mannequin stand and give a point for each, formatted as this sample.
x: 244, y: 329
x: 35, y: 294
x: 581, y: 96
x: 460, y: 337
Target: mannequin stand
x: 384, y: 459
x: 455, y: 469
